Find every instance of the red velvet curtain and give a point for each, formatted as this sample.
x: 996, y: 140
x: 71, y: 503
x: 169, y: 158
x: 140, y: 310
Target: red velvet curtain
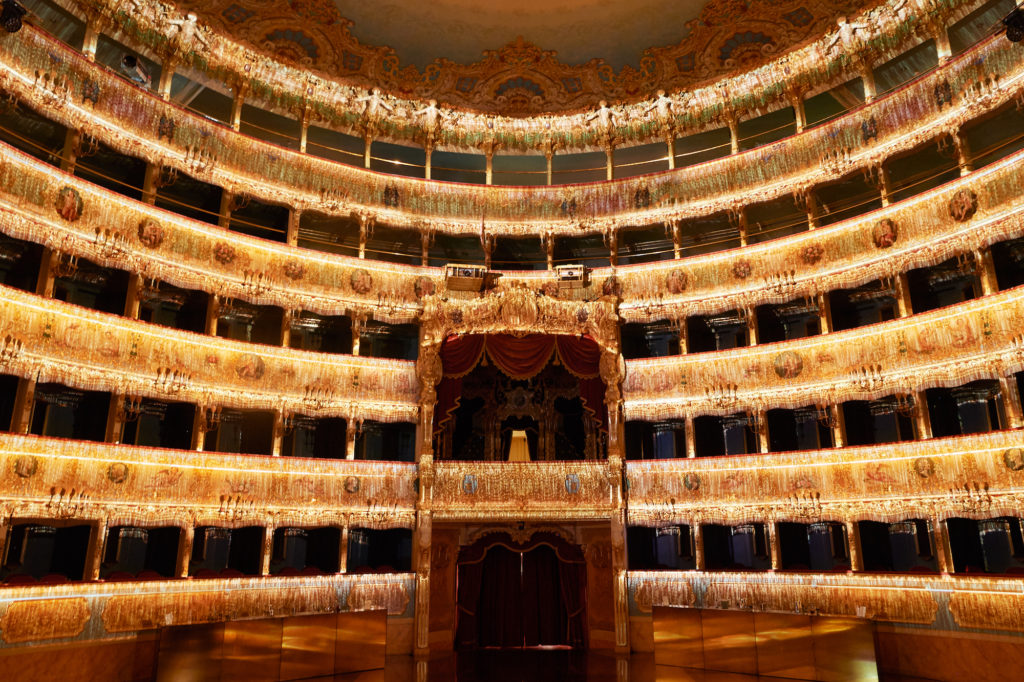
x: 572, y: 584
x: 514, y: 594
x: 512, y: 599
x: 543, y: 610
x: 500, y: 607
x: 520, y: 357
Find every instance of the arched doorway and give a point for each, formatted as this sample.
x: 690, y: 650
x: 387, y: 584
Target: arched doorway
x: 521, y: 594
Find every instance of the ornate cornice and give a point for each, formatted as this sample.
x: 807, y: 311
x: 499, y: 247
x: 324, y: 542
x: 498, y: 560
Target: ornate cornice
x: 883, y: 31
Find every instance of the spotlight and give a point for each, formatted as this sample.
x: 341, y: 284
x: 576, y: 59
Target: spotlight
x: 133, y: 67
x: 1014, y: 23
x: 10, y: 16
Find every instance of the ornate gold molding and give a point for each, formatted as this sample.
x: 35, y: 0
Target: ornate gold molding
x: 980, y: 80
x: 978, y: 476
x: 54, y: 341
x: 954, y: 345
x: 881, y: 32
x: 122, y: 485
x: 521, y: 78
x: 41, y: 613
x: 507, y: 492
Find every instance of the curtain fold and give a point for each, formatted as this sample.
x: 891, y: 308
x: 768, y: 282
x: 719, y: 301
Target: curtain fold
x: 520, y: 358
x: 521, y: 594
x: 544, y: 612
x: 467, y: 603
x: 573, y: 591
x: 500, y: 614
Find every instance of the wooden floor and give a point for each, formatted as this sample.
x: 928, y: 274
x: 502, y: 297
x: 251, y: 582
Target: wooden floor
x: 538, y: 666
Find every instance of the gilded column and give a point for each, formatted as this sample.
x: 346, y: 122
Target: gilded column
x: 167, y: 68
x: 619, y: 562
x: 266, y: 549
x: 94, y: 553
x: 93, y: 26
x: 774, y: 548
x: 761, y: 424
x: 343, y: 550
x: 986, y: 271
x: 691, y: 438
x: 698, y: 546
x: 853, y: 540
x: 824, y: 314
x: 838, y: 423
x: 734, y: 133
x: 239, y: 89
x: 280, y: 428
x: 922, y: 419
x: 185, y: 540
x: 943, y: 551
x: 673, y: 229
x: 1013, y: 415
x: 429, y: 370
x: 903, y: 303
x: 294, y: 220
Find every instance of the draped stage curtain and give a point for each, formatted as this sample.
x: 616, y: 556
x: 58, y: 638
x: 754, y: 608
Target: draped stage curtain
x: 515, y: 595
x: 520, y: 358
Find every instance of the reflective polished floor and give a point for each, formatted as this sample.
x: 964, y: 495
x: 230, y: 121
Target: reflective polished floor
x: 537, y: 666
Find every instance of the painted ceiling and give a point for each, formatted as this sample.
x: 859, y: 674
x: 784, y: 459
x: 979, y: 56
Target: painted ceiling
x: 525, y: 57
x: 578, y: 30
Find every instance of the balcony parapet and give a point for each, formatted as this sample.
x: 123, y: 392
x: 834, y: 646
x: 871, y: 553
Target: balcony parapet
x: 940, y: 602
x: 883, y: 30
x: 118, y: 232
x: 52, y: 341
x: 977, y: 476
x: 55, y: 478
x: 977, y: 339
x: 515, y: 491
x: 101, y: 611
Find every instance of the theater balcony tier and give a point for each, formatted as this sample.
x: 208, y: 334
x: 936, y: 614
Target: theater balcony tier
x: 886, y: 29
x: 74, y: 218
x: 141, y: 125
x: 945, y: 347
x: 46, y: 340
x: 976, y: 477
x: 91, y: 612
x: 117, y: 485
x: 937, y: 602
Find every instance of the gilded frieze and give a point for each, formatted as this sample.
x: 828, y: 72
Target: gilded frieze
x: 43, y: 619
x: 980, y: 611
x: 512, y: 491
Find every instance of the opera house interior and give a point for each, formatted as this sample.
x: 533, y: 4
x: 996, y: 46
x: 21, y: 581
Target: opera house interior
x: 517, y: 340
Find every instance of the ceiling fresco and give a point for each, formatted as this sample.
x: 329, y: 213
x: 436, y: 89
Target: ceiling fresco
x: 528, y: 56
